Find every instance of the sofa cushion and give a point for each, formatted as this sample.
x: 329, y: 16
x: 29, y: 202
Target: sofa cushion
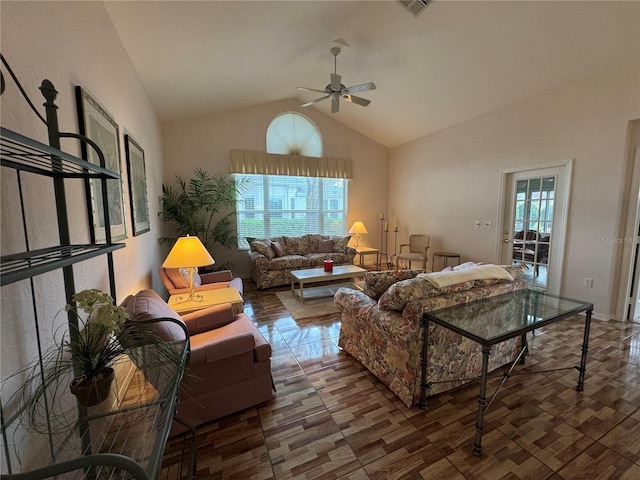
x: 325, y: 245
x: 300, y: 245
x: 317, y: 259
x: 148, y: 305
x: 288, y: 262
x: 277, y: 249
x: 376, y: 283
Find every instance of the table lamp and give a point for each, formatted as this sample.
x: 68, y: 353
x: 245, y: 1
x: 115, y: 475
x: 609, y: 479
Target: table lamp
x: 188, y: 253
x: 358, y: 229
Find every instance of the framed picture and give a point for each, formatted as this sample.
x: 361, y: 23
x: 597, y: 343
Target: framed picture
x: 97, y: 125
x: 137, y: 186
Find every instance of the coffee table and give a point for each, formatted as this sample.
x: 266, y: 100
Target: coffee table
x: 207, y: 298
x: 493, y: 320
x: 317, y: 275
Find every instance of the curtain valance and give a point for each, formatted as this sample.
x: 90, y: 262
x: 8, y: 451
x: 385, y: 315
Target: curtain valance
x: 263, y: 163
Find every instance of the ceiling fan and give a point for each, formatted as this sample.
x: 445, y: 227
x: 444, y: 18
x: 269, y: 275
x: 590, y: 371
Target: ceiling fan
x: 336, y: 90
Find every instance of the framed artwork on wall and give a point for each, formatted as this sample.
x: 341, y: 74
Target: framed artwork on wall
x: 97, y: 125
x: 137, y: 186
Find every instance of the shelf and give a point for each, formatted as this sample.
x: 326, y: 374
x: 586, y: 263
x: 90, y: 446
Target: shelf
x: 23, y: 153
x: 103, y: 441
x: 20, y: 266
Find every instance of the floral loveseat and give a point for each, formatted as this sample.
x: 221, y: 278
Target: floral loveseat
x: 382, y: 326
x: 273, y: 258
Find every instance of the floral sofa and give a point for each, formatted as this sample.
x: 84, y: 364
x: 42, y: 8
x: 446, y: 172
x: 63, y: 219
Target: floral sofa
x: 273, y: 258
x: 382, y: 326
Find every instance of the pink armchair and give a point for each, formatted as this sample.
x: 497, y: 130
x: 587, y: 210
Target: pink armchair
x: 176, y: 283
x: 230, y: 364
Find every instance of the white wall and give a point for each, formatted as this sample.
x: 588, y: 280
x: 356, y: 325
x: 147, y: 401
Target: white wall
x: 441, y: 183
x: 205, y: 142
x: 74, y: 45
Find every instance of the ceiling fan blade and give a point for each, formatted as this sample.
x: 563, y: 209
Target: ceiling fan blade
x: 357, y: 100
x: 308, y: 104
x: 335, y: 82
x: 335, y: 104
x: 312, y: 90
x: 361, y: 88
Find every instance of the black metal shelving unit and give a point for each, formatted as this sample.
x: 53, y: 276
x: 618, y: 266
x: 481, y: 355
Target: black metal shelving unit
x: 90, y: 449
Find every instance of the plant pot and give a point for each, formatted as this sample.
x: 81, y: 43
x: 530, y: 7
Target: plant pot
x: 92, y: 392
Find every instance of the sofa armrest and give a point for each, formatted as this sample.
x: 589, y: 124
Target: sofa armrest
x: 257, y: 258
x: 214, y: 277
x: 217, y: 349
x: 349, y: 300
x: 209, y: 318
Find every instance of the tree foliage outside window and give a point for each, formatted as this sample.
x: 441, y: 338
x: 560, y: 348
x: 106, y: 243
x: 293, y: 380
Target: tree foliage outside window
x: 315, y: 205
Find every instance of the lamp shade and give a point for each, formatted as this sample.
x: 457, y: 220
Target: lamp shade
x: 358, y: 227
x: 188, y: 252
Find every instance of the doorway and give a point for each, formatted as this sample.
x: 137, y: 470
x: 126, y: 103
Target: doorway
x: 633, y: 312
x: 534, y: 202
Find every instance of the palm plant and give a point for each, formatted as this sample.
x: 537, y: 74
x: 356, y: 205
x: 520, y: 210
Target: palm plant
x: 204, y: 206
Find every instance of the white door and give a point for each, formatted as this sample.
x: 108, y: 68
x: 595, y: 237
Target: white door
x: 635, y: 259
x: 534, y: 222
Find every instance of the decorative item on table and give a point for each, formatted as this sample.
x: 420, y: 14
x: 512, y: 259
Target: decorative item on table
x: 358, y: 229
x: 188, y: 253
x: 94, y: 345
x: 328, y: 265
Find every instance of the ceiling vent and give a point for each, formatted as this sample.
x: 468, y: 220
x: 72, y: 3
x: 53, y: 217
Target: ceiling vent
x: 415, y: 7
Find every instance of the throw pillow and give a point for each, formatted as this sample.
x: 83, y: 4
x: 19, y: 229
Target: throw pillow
x: 376, y: 283
x: 340, y: 243
x: 277, y: 248
x: 263, y: 247
x: 325, y: 246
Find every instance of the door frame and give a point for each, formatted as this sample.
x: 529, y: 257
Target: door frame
x: 627, y: 233
x: 559, y: 226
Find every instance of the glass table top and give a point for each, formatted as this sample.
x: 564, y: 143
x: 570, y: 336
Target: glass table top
x: 492, y: 320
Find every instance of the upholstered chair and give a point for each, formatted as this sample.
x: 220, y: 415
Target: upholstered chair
x: 230, y: 363
x: 417, y: 247
x: 176, y: 282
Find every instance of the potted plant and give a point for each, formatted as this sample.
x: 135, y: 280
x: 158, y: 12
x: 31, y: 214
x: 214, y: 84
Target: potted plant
x: 96, y: 345
x: 82, y: 360
x: 203, y: 206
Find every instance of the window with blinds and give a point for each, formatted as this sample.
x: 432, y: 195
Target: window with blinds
x: 276, y: 205
x: 302, y: 196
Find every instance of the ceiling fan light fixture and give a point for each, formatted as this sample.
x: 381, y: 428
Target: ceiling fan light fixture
x: 336, y: 89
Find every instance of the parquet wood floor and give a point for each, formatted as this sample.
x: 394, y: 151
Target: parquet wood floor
x: 332, y: 419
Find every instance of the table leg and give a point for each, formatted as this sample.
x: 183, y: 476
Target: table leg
x: 482, y: 402
x: 585, y: 349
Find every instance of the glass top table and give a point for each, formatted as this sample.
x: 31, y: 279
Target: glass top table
x: 490, y: 321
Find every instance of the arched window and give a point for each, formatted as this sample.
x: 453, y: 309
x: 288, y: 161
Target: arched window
x: 292, y: 133
x: 279, y: 203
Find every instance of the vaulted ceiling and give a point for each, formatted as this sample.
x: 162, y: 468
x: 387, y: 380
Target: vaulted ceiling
x: 455, y: 61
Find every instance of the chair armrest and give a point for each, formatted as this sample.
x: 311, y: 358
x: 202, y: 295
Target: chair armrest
x: 209, y: 318
x: 403, y: 245
x: 213, y: 277
x: 224, y: 347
